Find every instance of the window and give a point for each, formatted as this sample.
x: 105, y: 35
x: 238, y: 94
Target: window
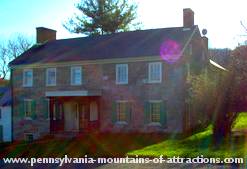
x: 154, y: 72
x: 28, y: 108
x: 27, y: 77
x: 29, y: 137
x: 122, y: 74
x: 75, y: 75
x: 122, y: 108
x: 155, y: 110
x: 51, y: 77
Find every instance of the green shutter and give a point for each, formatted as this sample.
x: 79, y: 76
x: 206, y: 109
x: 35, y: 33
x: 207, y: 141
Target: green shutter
x: 128, y: 112
x: 33, y: 108
x: 45, y: 107
x: 146, y: 112
x: 21, y: 112
x: 163, y: 112
x: 114, y: 112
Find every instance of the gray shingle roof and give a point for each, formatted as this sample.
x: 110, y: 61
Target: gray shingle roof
x: 118, y: 45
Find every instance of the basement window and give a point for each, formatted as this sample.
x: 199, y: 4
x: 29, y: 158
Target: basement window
x: 29, y: 137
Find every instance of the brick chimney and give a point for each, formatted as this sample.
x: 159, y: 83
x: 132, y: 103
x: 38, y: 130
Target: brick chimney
x: 45, y: 34
x: 188, y: 19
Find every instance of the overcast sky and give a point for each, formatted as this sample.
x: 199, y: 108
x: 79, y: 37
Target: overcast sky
x: 220, y: 18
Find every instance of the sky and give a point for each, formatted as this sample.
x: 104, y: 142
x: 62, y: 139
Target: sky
x: 220, y: 18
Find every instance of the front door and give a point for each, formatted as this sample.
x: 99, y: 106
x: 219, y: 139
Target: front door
x: 56, y: 116
x: 71, y: 113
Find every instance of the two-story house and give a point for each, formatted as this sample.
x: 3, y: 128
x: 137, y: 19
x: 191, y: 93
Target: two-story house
x: 123, y: 82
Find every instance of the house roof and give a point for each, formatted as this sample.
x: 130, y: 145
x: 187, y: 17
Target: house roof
x: 221, y: 56
x: 217, y: 65
x: 5, y: 100
x: 118, y: 45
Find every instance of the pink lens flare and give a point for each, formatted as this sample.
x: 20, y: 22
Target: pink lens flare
x: 170, y: 51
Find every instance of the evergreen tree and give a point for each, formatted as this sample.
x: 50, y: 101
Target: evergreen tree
x: 101, y: 17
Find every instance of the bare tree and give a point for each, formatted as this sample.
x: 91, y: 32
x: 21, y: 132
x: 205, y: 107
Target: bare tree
x: 11, y: 50
x: 4, y: 61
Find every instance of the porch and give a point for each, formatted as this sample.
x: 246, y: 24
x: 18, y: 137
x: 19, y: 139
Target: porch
x: 73, y: 114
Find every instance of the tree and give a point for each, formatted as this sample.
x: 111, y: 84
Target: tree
x: 232, y: 93
x: 11, y: 50
x: 101, y: 17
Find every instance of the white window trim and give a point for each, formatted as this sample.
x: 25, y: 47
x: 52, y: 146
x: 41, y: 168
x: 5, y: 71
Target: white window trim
x: 47, y: 70
x: 155, y: 101
x: 121, y: 123
x: 149, y: 73
x: 28, y: 117
x: 71, y: 75
x: 23, y: 78
x: 155, y: 124
x: 127, y: 74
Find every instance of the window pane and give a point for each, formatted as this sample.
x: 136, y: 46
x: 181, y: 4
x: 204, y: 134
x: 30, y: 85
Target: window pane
x: 76, y: 75
x: 28, y: 108
x: 51, y: 76
x: 155, y: 71
x: 121, y: 111
x: 28, y: 77
x: 155, y: 112
x: 122, y: 73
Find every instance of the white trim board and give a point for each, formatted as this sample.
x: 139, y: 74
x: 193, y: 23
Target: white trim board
x: 72, y: 93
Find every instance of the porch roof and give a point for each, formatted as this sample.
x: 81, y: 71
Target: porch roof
x: 73, y: 93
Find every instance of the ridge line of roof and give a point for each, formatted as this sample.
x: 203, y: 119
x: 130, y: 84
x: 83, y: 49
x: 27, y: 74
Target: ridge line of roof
x: 117, y: 33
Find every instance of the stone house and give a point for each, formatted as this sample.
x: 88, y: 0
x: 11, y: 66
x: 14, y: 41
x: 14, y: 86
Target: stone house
x: 124, y: 82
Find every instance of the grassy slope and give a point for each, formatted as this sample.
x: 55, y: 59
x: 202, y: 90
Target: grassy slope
x: 131, y: 144
x: 197, y: 144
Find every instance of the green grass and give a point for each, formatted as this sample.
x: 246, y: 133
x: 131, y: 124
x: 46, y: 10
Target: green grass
x: 241, y: 121
x: 94, y: 145
x: 112, y: 145
x: 198, y: 144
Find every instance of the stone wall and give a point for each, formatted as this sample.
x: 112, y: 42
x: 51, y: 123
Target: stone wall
x: 102, y: 77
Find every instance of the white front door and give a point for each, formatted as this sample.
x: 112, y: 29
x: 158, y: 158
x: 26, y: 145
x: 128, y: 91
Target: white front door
x: 93, y: 111
x: 71, y: 115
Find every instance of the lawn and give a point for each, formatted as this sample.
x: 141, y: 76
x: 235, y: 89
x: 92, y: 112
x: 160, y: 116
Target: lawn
x: 93, y: 145
x: 198, y: 144
x: 116, y: 145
